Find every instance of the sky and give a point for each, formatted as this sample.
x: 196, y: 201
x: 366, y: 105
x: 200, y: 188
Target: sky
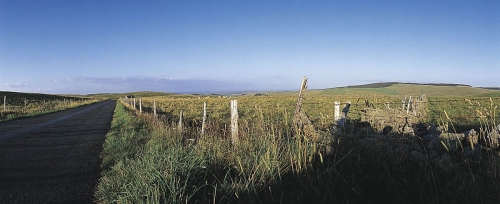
x: 90, y: 46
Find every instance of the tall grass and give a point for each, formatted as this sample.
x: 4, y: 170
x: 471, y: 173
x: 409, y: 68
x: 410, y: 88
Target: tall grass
x: 141, y: 165
x: 26, y: 105
x: 142, y: 159
x: 148, y: 160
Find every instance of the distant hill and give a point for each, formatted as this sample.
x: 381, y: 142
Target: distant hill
x: 388, y: 84
x: 33, y: 96
x: 491, y: 88
x: 398, y: 88
x: 374, y: 85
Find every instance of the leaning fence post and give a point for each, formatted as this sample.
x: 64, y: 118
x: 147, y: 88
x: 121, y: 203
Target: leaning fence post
x: 234, y: 122
x: 298, y: 123
x: 204, y: 118
x: 298, y: 106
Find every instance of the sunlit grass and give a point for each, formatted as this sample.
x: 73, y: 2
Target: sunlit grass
x: 19, y: 105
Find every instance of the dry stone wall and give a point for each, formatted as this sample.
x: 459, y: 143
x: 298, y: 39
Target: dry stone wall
x: 399, y: 134
x: 401, y: 119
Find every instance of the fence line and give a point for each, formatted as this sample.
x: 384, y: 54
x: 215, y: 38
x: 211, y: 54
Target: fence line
x: 410, y: 105
x: 355, y: 106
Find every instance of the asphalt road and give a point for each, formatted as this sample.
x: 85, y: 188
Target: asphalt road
x: 53, y: 158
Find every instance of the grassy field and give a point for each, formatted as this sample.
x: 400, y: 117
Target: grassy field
x: 31, y: 104
x: 458, y: 101
x: 412, y: 89
x: 148, y: 159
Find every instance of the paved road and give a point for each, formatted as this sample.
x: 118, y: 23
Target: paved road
x: 53, y: 158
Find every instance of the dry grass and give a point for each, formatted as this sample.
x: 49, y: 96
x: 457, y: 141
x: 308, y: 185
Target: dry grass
x: 271, y: 164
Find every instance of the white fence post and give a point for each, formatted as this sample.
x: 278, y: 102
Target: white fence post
x: 140, y: 105
x: 336, y: 112
x: 345, y: 111
x: 234, y: 122
x: 154, y: 107
x: 4, y: 103
x: 204, y: 118
x: 134, y: 103
x: 179, y: 126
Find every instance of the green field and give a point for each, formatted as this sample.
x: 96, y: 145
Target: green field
x: 150, y: 159
x: 412, y: 89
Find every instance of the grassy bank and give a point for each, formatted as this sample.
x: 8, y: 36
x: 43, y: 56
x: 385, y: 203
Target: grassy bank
x: 143, y: 165
x: 20, y: 105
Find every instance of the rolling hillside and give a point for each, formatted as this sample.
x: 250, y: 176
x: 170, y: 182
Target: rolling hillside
x: 412, y: 89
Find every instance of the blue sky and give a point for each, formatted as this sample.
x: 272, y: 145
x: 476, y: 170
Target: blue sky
x: 91, y: 46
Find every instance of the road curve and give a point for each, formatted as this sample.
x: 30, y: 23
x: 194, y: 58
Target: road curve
x: 53, y: 158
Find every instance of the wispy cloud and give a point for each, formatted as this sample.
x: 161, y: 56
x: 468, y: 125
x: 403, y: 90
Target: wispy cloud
x: 16, y: 85
x: 43, y: 90
x: 88, y: 85
x: 148, y: 83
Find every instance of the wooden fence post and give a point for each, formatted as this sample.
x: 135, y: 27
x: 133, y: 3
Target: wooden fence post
x: 301, y: 124
x: 134, y: 103
x: 336, y: 112
x: 25, y: 104
x: 298, y: 124
x: 409, y: 106
x: 414, y: 106
x: 154, y: 107
x: 4, y: 102
x: 140, y: 105
x: 179, y: 126
x: 404, y: 101
x: 345, y: 111
x: 204, y: 118
x: 298, y: 106
x: 234, y: 122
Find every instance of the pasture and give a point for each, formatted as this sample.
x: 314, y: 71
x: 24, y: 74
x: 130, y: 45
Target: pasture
x: 152, y: 154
